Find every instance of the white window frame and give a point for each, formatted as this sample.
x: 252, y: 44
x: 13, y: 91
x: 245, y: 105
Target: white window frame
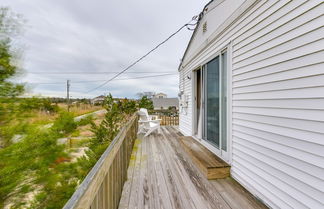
x: 227, y: 156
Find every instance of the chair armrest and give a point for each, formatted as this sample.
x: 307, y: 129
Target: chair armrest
x: 156, y: 121
x: 147, y: 121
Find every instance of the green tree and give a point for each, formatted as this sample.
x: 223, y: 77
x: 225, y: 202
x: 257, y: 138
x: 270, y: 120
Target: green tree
x: 65, y: 123
x: 35, y: 103
x: 108, y: 128
x: 128, y: 106
x: 10, y: 25
x: 145, y: 102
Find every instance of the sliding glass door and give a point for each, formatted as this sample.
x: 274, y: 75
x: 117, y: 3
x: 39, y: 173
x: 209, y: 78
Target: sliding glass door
x: 212, y: 102
x: 215, y: 102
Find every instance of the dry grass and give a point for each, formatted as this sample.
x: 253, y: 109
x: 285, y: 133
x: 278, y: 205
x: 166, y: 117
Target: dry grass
x: 80, y: 109
x: 42, y: 117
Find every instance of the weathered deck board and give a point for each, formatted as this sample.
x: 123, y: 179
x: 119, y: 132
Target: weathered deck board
x: 176, y: 171
x: 153, y: 190
x: 135, y: 189
x: 163, y: 176
x: 124, y: 201
x: 165, y: 189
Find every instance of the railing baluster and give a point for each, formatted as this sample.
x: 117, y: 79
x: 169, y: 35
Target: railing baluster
x: 106, y: 191
x: 111, y: 186
x: 100, y: 197
x: 168, y: 120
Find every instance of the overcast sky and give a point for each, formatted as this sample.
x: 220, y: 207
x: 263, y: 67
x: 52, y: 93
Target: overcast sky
x: 89, y: 37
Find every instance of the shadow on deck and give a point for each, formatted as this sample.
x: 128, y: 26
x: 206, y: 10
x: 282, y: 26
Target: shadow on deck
x: 162, y: 175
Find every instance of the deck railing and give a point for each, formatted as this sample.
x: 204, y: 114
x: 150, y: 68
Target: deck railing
x: 169, y: 120
x: 102, y: 187
x: 168, y: 117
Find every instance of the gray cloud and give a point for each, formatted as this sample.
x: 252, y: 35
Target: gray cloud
x: 101, y: 35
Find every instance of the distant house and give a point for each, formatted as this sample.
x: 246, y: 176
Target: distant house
x: 165, y: 103
x: 98, y: 100
x: 160, y: 95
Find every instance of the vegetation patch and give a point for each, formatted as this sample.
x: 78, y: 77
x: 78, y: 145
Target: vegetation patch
x: 39, y: 172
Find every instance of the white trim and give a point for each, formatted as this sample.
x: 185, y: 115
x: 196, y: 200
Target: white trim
x: 212, y: 7
x: 224, y: 154
x: 209, y: 146
x: 244, y: 8
x: 193, y: 102
x: 227, y: 156
x: 230, y: 102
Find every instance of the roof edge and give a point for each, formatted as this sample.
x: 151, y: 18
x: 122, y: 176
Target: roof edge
x: 201, y: 14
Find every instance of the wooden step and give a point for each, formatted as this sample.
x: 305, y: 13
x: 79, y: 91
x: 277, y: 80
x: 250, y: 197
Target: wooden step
x: 207, y: 162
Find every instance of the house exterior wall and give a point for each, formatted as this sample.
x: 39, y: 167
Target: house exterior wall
x: 160, y: 95
x: 185, y: 118
x: 165, y: 103
x: 277, y: 91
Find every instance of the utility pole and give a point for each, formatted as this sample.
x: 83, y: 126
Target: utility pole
x: 68, y: 94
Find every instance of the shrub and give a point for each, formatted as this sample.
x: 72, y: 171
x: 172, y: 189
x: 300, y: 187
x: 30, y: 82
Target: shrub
x: 64, y: 123
x: 128, y: 106
x: 48, y: 106
x: 34, y: 103
x: 27, y: 160
x: 145, y: 102
x: 46, y: 164
x: 85, y: 121
x: 108, y: 128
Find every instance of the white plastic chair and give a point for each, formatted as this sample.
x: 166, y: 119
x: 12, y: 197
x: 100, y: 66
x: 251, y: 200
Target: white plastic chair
x: 146, y: 124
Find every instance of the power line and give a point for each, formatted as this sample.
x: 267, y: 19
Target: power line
x: 149, y: 52
x: 121, y: 79
x: 141, y: 77
x: 103, y: 72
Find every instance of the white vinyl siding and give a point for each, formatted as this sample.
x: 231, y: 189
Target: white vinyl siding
x: 277, y: 100
x: 185, y: 121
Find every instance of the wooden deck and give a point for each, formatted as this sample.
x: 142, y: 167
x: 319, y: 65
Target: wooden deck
x: 161, y: 175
